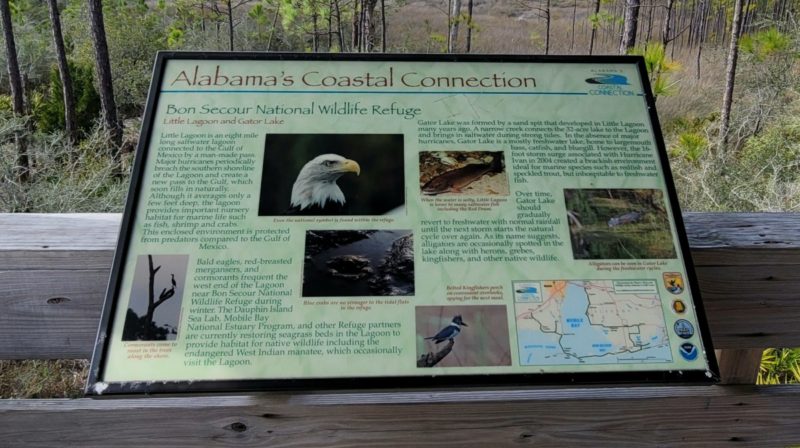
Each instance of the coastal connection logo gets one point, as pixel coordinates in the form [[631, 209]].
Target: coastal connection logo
[[609, 78], [610, 84]]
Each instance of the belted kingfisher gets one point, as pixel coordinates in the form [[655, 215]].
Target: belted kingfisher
[[450, 331]]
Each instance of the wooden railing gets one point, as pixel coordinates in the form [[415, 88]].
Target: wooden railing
[[53, 275]]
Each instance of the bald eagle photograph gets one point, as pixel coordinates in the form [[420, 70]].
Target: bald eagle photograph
[[332, 175]]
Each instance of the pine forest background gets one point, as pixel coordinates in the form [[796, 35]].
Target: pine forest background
[[724, 72]]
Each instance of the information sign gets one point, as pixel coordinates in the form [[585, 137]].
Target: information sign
[[355, 221]]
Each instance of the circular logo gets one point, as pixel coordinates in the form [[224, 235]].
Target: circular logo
[[678, 306], [688, 351], [684, 328]]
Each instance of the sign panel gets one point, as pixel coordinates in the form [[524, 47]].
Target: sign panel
[[345, 221]]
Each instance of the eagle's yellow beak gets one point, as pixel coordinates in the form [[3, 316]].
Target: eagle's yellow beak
[[351, 166]]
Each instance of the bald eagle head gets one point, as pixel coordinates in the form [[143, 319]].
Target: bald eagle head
[[316, 183]]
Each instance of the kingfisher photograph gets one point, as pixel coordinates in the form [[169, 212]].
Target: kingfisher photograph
[[462, 336], [332, 175], [466, 173]]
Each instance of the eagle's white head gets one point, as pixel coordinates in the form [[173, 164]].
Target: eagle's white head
[[316, 183]]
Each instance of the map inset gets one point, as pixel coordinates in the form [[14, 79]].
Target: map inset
[[590, 322]]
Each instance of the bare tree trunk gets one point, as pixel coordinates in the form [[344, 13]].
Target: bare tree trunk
[[230, 23], [22, 168], [274, 24], [630, 27], [574, 13], [649, 34], [356, 37], [63, 72], [594, 28], [692, 16], [730, 74], [151, 299], [103, 66], [704, 5], [667, 24], [339, 25], [315, 34], [363, 33], [203, 17], [747, 15], [455, 13], [469, 25], [383, 26], [547, 27], [330, 25], [678, 24], [369, 25]]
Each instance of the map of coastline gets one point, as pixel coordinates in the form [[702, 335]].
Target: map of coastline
[[590, 322]]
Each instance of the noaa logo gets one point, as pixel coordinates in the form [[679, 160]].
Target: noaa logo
[[688, 351], [609, 79]]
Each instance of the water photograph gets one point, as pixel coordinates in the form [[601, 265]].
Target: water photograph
[[358, 263]]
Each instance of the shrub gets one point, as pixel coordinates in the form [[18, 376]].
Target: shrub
[[49, 111]]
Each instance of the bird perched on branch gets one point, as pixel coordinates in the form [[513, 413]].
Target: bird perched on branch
[[449, 332], [315, 191]]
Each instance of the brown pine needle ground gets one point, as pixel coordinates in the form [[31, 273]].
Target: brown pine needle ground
[[63, 378]]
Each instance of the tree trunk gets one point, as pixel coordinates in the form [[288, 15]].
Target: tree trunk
[[369, 25], [704, 7], [230, 23], [22, 168], [315, 34], [203, 17], [63, 72], [151, 299], [572, 38], [330, 25], [103, 66], [355, 43], [547, 27], [455, 13], [594, 27], [667, 24], [469, 25], [730, 74], [274, 24], [383, 26], [630, 27], [677, 37], [339, 26]]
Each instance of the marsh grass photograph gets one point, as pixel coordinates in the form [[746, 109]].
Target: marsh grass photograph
[[618, 224], [332, 174]]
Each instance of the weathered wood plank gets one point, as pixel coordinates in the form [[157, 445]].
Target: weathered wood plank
[[739, 366], [748, 266], [639, 416], [57, 241]]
